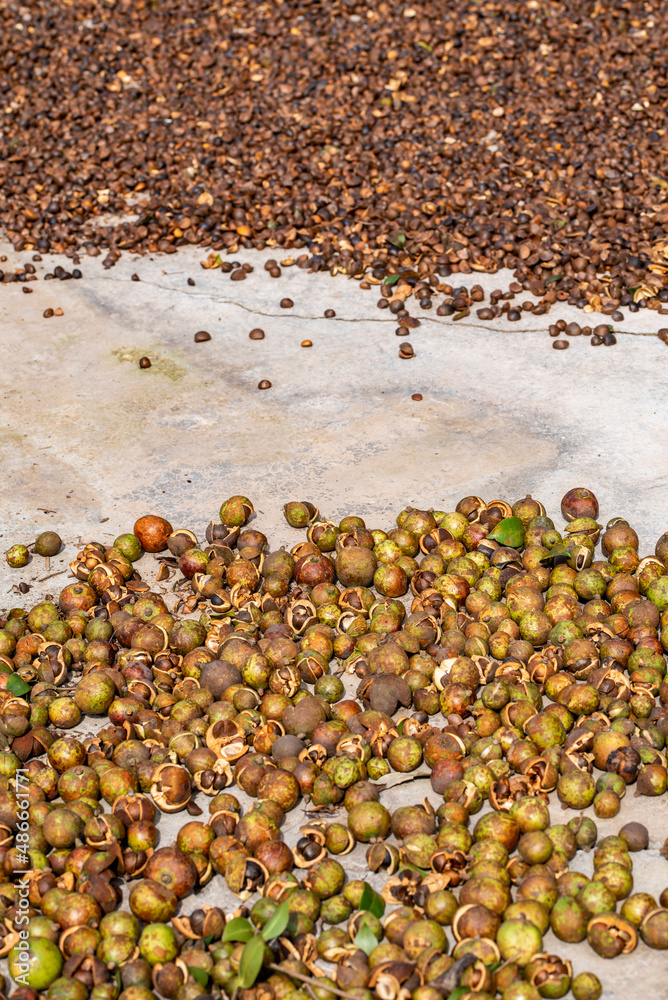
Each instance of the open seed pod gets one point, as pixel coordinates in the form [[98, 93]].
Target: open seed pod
[[171, 789]]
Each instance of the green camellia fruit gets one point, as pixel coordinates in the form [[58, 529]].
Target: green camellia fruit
[[36, 965]]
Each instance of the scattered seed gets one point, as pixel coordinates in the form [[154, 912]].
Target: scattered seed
[[560, 345], [329, 314], [58, 311], [201, 336], [596, 341], [238, 275], [663, 334], [609, 339], [286, 303], [256, 334], [191, 282], [264, 384], [406, 350], [26, 291], [417, 396], [573, 330], [307, 343], [47, 314], [144, 362], [134, 277]]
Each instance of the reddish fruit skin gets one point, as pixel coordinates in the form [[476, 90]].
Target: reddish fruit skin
[[153, 532], [579, 502], [172, 868]]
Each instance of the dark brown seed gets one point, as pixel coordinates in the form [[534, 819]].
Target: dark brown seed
[[134, 277], [264, 384], [256, 334], [191, 282], [144, 362], [275, 272], [307, 343], [609, 339], [663, 334], [513, 315], [406, 350], [329, 314], [201, 336], [600, 330], [27, 291], [286, 303], [401, 331], [485, 313], [238, 275], [417, 396], [47, 314], [596, 341], [573, 330], [560, 345]]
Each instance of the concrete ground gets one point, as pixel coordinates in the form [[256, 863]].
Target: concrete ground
[[90, 441]]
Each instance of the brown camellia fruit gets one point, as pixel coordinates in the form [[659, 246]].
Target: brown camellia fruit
[[579, 502], [153, 532]]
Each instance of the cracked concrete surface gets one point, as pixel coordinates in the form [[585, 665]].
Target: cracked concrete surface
[[90, 441]]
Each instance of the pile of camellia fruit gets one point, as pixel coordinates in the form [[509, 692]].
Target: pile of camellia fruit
[[482, 649]]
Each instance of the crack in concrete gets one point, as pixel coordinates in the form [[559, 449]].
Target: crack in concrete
[[342, 319]]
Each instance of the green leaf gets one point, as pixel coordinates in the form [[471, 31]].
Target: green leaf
[[458, 992], [424, 45], [398, 240], [509, 531], [371, 901], [392, 280], [365, 939], [277, 922], [17, 686], [251, 962], [199, 975], [366, 898], [238, 929], [553, 277], [208, 939]]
